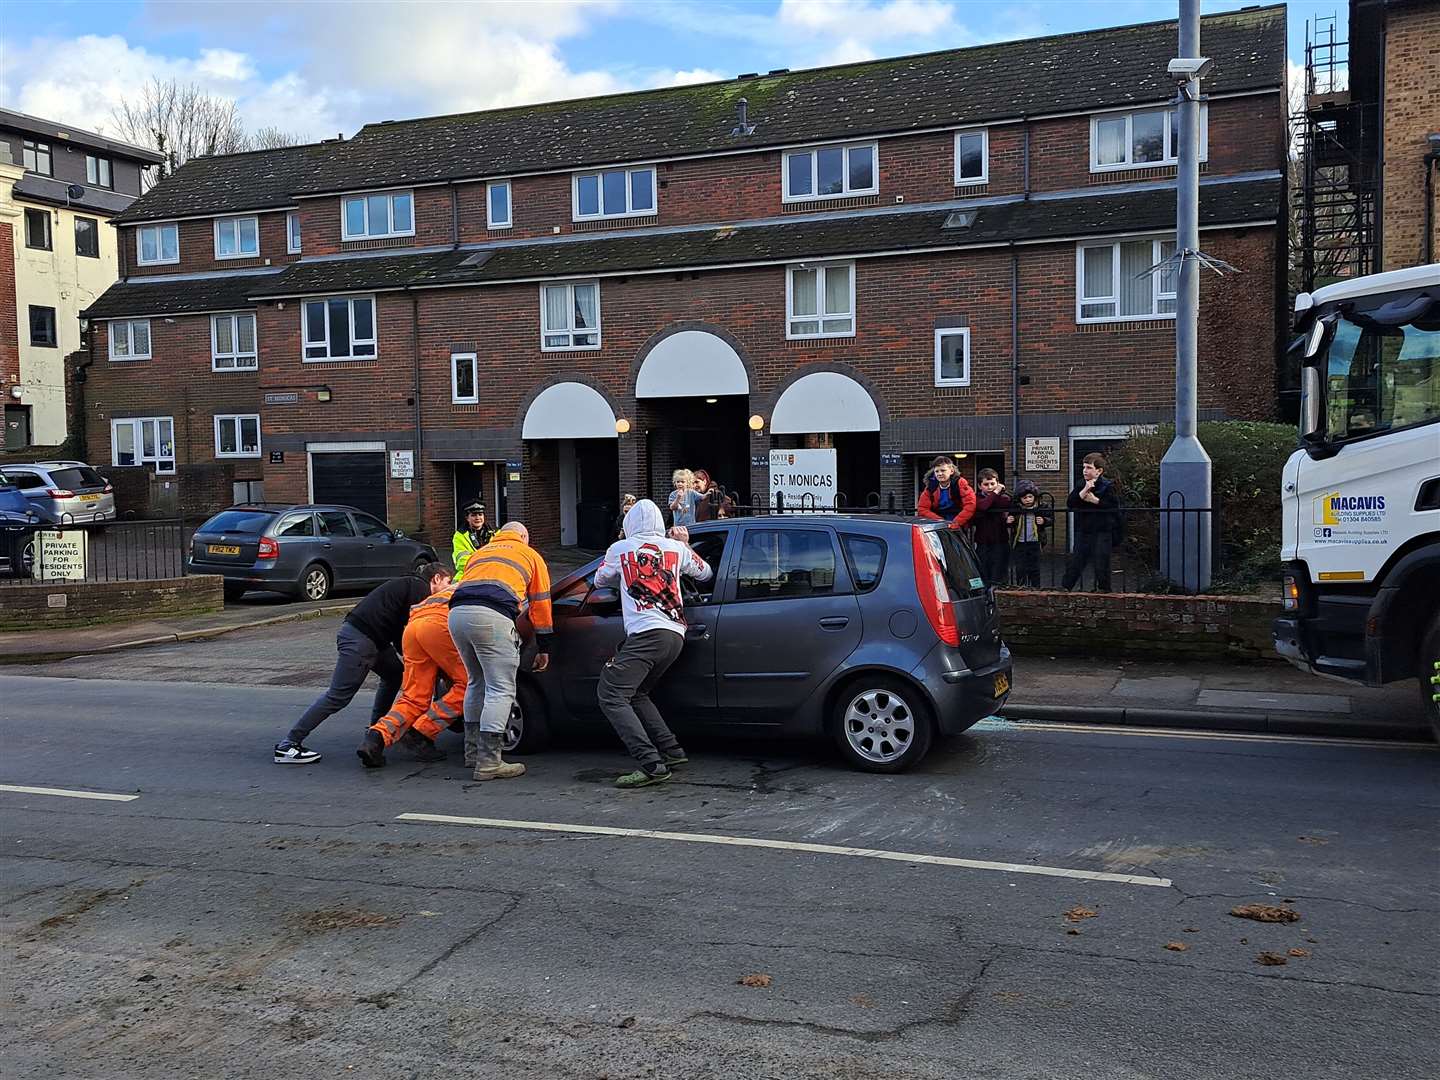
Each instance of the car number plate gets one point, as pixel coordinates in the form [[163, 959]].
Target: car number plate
[[1002, 684], [89, 498], [223, 549]]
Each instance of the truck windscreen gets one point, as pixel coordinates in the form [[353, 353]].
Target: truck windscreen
[[1380, 378]]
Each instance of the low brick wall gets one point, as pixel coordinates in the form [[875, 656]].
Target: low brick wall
[[55, 605], [1138, 625]]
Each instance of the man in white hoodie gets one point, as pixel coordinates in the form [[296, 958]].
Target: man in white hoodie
[[646, 567]]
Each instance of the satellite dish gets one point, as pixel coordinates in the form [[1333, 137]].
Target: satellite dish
[[75, 191]]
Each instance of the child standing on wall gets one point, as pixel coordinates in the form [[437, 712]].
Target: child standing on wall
[[1027, 537], [992, 538]]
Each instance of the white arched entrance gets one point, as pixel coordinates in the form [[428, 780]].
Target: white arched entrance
[[824, 401], [577, 417], [692, 363]]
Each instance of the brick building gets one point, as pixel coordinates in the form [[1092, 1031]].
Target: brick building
[[548, 305]]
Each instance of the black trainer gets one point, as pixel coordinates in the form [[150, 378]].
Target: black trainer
[[289, 753], [372, 750]]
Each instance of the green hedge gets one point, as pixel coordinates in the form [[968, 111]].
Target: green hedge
[[1248, 460]]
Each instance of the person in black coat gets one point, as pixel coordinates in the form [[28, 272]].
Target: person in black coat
[[1094, 518]]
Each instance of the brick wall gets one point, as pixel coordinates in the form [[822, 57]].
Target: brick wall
[[197, 248], [55, 605], [1128, 624], [1412, 111]]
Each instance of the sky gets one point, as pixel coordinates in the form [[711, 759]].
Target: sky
[[318, 68]]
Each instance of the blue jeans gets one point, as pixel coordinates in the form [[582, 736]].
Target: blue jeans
[[489, 647], [356, 657]]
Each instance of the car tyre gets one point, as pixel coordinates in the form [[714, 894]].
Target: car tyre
[[529, 729], [1428, 668], [881, 724], [233, 592], [315, 582]]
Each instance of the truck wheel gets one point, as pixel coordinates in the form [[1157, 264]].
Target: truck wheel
[[1429, 672]]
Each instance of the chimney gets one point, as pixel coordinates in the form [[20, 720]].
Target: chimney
[[742, 124]]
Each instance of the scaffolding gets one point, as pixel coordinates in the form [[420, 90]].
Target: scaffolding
[[1336, 156]]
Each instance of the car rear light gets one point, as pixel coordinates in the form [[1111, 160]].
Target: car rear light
[[59, 493], [1291, 593], [269, 548], [930, 585]]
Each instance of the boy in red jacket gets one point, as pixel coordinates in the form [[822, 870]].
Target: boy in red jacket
[[946, 496]]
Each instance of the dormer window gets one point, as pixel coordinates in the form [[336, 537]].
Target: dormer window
[[375, 217], [831, 172]]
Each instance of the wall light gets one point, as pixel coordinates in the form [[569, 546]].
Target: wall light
[[622, 426], [477, 463], [322, 394], [757, 423], [711, 400]]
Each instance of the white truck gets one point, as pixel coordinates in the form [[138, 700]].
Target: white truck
[[1361, 497]]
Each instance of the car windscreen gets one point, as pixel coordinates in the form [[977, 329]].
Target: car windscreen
[[244, 522], [962, 572], [76, 476]]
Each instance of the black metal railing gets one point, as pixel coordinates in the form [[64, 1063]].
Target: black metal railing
[[127, 549]]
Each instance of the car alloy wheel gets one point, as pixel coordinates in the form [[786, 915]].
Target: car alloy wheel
[[515, 728], [316, 583], [27, 558], [879, 725]]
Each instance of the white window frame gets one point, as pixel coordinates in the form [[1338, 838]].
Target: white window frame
[[306, 343], [820, 315], [293, 239], [129, 333], [157, 459], [963, 332], [455, 396], [103, 171], [847, 192], [346, 236], [509, 221], [236, 419], [234, 222], [236, 357], [157, 227], [569, 329], [1156, 294], [575, 179], [1170, 154], [984, 177]]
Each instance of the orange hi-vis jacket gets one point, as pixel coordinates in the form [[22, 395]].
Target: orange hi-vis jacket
[[429, 652], [509, 576]]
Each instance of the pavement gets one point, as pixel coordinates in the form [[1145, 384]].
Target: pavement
[[1033, 902]]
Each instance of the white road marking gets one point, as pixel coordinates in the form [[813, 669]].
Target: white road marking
[[1001, 724], [103, 796], [789, 845]]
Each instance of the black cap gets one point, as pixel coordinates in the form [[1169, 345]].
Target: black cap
[[474, 506]]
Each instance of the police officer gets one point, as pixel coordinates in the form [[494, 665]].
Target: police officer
[[475, 535]]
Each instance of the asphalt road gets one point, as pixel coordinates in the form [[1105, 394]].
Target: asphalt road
[[240, 919]]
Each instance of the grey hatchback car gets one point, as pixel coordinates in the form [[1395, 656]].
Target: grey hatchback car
[[876, 631], [307, 551]]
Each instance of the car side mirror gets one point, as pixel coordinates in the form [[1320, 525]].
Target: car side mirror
[[397, 535]]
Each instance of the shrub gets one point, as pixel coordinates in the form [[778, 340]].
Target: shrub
[[1248, 460]]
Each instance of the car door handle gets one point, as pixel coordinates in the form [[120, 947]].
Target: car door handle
[[697, 631], [835, 622]]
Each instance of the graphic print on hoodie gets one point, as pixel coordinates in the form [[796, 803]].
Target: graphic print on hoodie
[[648, 566]]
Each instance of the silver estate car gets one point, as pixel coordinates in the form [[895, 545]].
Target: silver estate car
[[71, 492]]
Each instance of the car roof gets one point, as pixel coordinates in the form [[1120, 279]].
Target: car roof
[[282, 507]]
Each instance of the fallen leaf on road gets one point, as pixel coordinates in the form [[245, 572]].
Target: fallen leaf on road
[[862, 1001], [1265, 913], [628, 1022], [1299, 952], [1176, 946], [755, 980], [1312, 840], [428, 914], [1078, 912], [1271, 959], [1072, 930]]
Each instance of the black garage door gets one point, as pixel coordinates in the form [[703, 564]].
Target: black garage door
[[352, 479]]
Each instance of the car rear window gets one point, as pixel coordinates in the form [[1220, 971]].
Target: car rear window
[[962, 572], [244, 522], [866, 555], [77, 476]]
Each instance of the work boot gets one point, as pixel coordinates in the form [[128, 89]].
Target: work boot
[[489, 765], [472, 744], [420, 747], [372, 750]]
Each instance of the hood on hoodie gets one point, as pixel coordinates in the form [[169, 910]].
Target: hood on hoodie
[[644, 519]]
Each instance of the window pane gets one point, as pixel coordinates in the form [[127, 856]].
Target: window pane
[[642, 190], [782, 564], [224, 335], [87, 238], [403, 213], [797, 173], [147, 439], [370, 526], [862, 167], [837, 290], [377, 210], [334, 523], [303, 525], [1148, 136], [140, 338], [1098, 311], [557, 303], [804, 328], [1099, 271], [170, 242], [149, 252], [119, 339], [225, 238], [245, 324], [587, 299], [972, 156], [1135, 285], [803, 300], [556, 341], [364, 319], [250, 434], [499, 203], [354, 217], [315, 321], [614, 192], [1173, 115], [125, 444], [1110, 141], [292, 227], [952, 356], [227, 436], [249, 238], [464, 376], [339, 328], [867, 557], [835, 326], [830, 168], [587, 195]]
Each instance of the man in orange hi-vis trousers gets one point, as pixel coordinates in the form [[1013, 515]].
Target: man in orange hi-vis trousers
[[415, 719]]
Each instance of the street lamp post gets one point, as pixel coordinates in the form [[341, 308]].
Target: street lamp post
[[1185, 471]]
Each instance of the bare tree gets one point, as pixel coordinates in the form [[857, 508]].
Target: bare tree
[[181, 122], [270, 138]]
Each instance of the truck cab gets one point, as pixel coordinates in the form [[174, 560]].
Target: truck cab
[[1361, 497]]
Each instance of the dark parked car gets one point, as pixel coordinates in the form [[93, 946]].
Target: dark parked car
[[19, 518], [307, 551], [878, 632]]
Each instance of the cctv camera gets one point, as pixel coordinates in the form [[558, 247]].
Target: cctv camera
[[1185, 68]]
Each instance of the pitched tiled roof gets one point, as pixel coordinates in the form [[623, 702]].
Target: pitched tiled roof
[[1232, 202], [177, 296], [228, 183], [1096, 69]]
